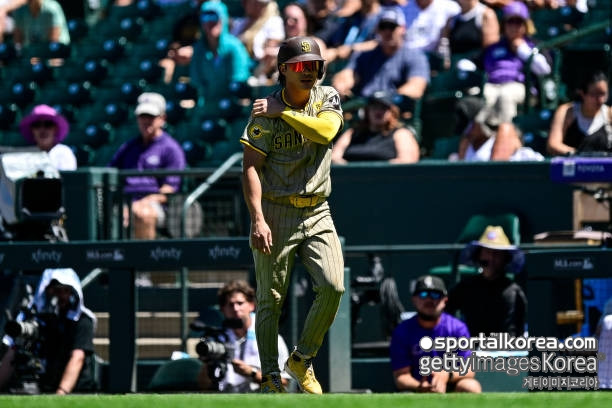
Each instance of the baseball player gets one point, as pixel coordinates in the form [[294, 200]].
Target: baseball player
[[286, 182]]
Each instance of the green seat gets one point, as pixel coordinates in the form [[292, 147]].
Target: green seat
[[177, 375], [455, 83], [534, 128], [472, 231]]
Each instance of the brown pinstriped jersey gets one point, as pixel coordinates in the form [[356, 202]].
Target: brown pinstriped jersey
[[294, 164]]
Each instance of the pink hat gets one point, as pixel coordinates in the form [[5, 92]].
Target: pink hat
[[44, 112]]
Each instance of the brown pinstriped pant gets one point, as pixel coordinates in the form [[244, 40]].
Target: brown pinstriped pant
[[309, 232]]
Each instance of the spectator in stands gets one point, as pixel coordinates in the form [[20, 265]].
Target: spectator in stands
[[379, 136], [390, 67], [425, 20], [504, 63], [355, 32], [297, 24], [40, 21], [236, 301], [46, 128], [322, 17], [219, 58], [185, 32], [153, 149], [485, 139], [467, 34], [584, 125], [7, 23], [261, 25], [429, 297], [489, 301], [66, 351]]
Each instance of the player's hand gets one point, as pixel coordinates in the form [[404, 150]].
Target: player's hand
[[261, 237], [269, 107]]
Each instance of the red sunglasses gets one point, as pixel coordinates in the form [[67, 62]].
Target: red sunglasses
[[302, 66]]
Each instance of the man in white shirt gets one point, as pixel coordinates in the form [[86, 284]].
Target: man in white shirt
[[425, 20]]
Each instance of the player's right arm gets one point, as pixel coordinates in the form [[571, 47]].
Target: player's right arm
[[261, 235]]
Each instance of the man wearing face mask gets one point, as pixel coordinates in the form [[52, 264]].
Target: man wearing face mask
[[66, 337], [489, 301]]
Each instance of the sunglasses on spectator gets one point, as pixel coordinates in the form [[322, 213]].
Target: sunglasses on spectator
[[387, 26], [432, 294], [302, 66], [43, 123], [209, 17]]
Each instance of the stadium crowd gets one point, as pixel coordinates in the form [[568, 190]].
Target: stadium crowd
[[210, 59]]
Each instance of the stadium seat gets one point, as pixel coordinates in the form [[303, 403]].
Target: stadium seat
[[7, 53], [205, 130], [136, 69], [48, 50], [40, 73], [8, 115], [455, 83], [240, 90], [110, 49], [83, 153], [124, 91], [550, 23], [21, 93], [104, 112], [128, 28], [152, 48], [196, 152], [94, 135], [78, 29], [67, 111], [12, 139], [146, 9], [91, 70], [71, 93], [175, 113], [534, 128], [472, 231]]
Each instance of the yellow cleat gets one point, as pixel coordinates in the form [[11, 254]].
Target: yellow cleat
[[271, 384], [301, 370]]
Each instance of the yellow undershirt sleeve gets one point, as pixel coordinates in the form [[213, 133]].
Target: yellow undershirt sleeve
[[321, 129]]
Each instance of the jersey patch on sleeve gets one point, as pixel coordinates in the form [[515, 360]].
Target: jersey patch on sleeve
[[256, 131]]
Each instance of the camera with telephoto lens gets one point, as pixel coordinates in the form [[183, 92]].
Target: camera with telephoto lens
[[28, 332], [214, 347]]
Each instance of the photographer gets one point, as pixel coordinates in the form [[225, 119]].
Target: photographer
[[237, 303], [54, 336]]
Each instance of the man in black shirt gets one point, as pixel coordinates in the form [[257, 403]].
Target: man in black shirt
[[489, 301], [65, 341]]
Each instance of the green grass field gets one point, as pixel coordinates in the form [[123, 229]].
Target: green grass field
[[487, 400]]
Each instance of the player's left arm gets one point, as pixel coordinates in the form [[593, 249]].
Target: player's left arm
[[320, 129]]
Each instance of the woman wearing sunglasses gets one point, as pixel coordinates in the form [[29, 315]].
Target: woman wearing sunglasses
[[429, 297], [46, 128]]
